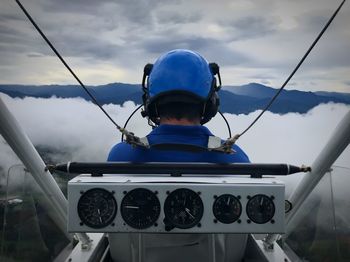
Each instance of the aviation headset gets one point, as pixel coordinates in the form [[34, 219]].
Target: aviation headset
[[210, 103]]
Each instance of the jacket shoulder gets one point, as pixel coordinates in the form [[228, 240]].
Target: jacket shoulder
[[120, 152]]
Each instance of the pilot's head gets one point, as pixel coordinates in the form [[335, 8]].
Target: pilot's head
[[181, 85]]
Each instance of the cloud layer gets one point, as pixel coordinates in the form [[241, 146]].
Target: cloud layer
[[75, 130]]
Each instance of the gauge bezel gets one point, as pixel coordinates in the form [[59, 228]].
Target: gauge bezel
[[218, 217], [111, 201], [169, 216], [252, 218], [146, 224]]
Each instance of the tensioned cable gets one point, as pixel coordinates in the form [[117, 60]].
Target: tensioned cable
[[227, 124], [295, 69], [231, 140], [127, 121], [65, 64]]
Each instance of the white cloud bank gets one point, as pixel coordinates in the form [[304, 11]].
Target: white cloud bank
[[78, 128]]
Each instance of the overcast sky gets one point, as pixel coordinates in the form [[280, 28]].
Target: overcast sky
[[110, 41]]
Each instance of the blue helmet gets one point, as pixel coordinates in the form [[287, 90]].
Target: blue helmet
[[181, 76]]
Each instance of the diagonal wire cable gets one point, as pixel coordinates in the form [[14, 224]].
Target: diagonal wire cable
[[65, 64]]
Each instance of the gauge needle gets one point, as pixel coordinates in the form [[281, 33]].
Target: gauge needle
[[228, 202], [99, 213], [188, 212], [261, 201], [132, 207]]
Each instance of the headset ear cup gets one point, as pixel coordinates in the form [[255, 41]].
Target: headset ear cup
[[152, 113], [212, 104], [145, 85], [145, 111], [211, 108]]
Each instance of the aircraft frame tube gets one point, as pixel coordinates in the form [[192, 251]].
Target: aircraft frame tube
[[338, 142], [15, 136]]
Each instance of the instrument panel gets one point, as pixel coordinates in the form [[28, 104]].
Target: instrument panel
[[187, 205]]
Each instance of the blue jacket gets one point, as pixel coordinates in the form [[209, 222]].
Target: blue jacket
[[175, 134]]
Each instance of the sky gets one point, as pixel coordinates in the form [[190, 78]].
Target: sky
[[76, 130], [110, 41]]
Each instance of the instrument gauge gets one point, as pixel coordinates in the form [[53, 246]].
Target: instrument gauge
[[183, 208], [227, 208], [97, 208], [140, 208], [260, 209]]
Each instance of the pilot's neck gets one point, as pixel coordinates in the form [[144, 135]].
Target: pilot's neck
[[181, 122]]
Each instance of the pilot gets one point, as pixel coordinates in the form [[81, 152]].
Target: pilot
[[180, 95]]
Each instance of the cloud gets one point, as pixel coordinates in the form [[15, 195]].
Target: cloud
[[212, 49], [35, 55], [178, 18], [250, 27], [76, 130], [266, 36]]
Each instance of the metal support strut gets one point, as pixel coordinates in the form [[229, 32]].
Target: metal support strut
[[15, 136], [339, 140]]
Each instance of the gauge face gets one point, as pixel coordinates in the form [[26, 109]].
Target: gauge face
[[97, 208], [140, 208], [227, 208], [260, 209], [183, 208]]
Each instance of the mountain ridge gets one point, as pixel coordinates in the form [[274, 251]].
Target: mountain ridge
[[242, 99]]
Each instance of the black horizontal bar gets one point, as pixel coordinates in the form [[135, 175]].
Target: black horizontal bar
[[178, 169]]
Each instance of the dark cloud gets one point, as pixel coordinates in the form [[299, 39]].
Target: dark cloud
[[9, 17], [311, 21], [178, 18], [250, 27], [261, 76], [211, 48], [75, 45], [76, 6], [16, 40]]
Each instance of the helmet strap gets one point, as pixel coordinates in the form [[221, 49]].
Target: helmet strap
[[203, 112]]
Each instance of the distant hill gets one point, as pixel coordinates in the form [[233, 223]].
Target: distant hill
[[234, 99]]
